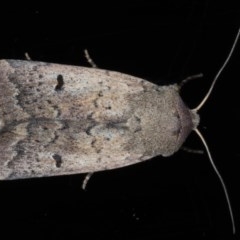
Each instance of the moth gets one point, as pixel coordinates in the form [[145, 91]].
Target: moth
[[58, 119]]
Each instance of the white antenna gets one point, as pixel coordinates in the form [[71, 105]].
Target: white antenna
[[220, 178], [218, 74], [203, 140]]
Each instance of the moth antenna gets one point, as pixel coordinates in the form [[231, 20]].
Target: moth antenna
[[220, 178], [218, 74]]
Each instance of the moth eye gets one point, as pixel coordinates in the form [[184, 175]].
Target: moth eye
[[60, 83]]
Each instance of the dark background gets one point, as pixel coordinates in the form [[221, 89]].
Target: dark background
[[164, 42]]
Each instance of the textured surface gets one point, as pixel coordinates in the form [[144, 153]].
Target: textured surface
[[58, 119]]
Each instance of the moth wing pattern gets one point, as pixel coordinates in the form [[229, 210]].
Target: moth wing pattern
[[59, 119]]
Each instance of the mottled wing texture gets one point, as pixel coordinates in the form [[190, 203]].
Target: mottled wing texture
[[58, 119]]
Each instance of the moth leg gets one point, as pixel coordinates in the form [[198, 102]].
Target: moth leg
[[86, 179], [190, 150], [27, 56], [89, 59], [184, 81]]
